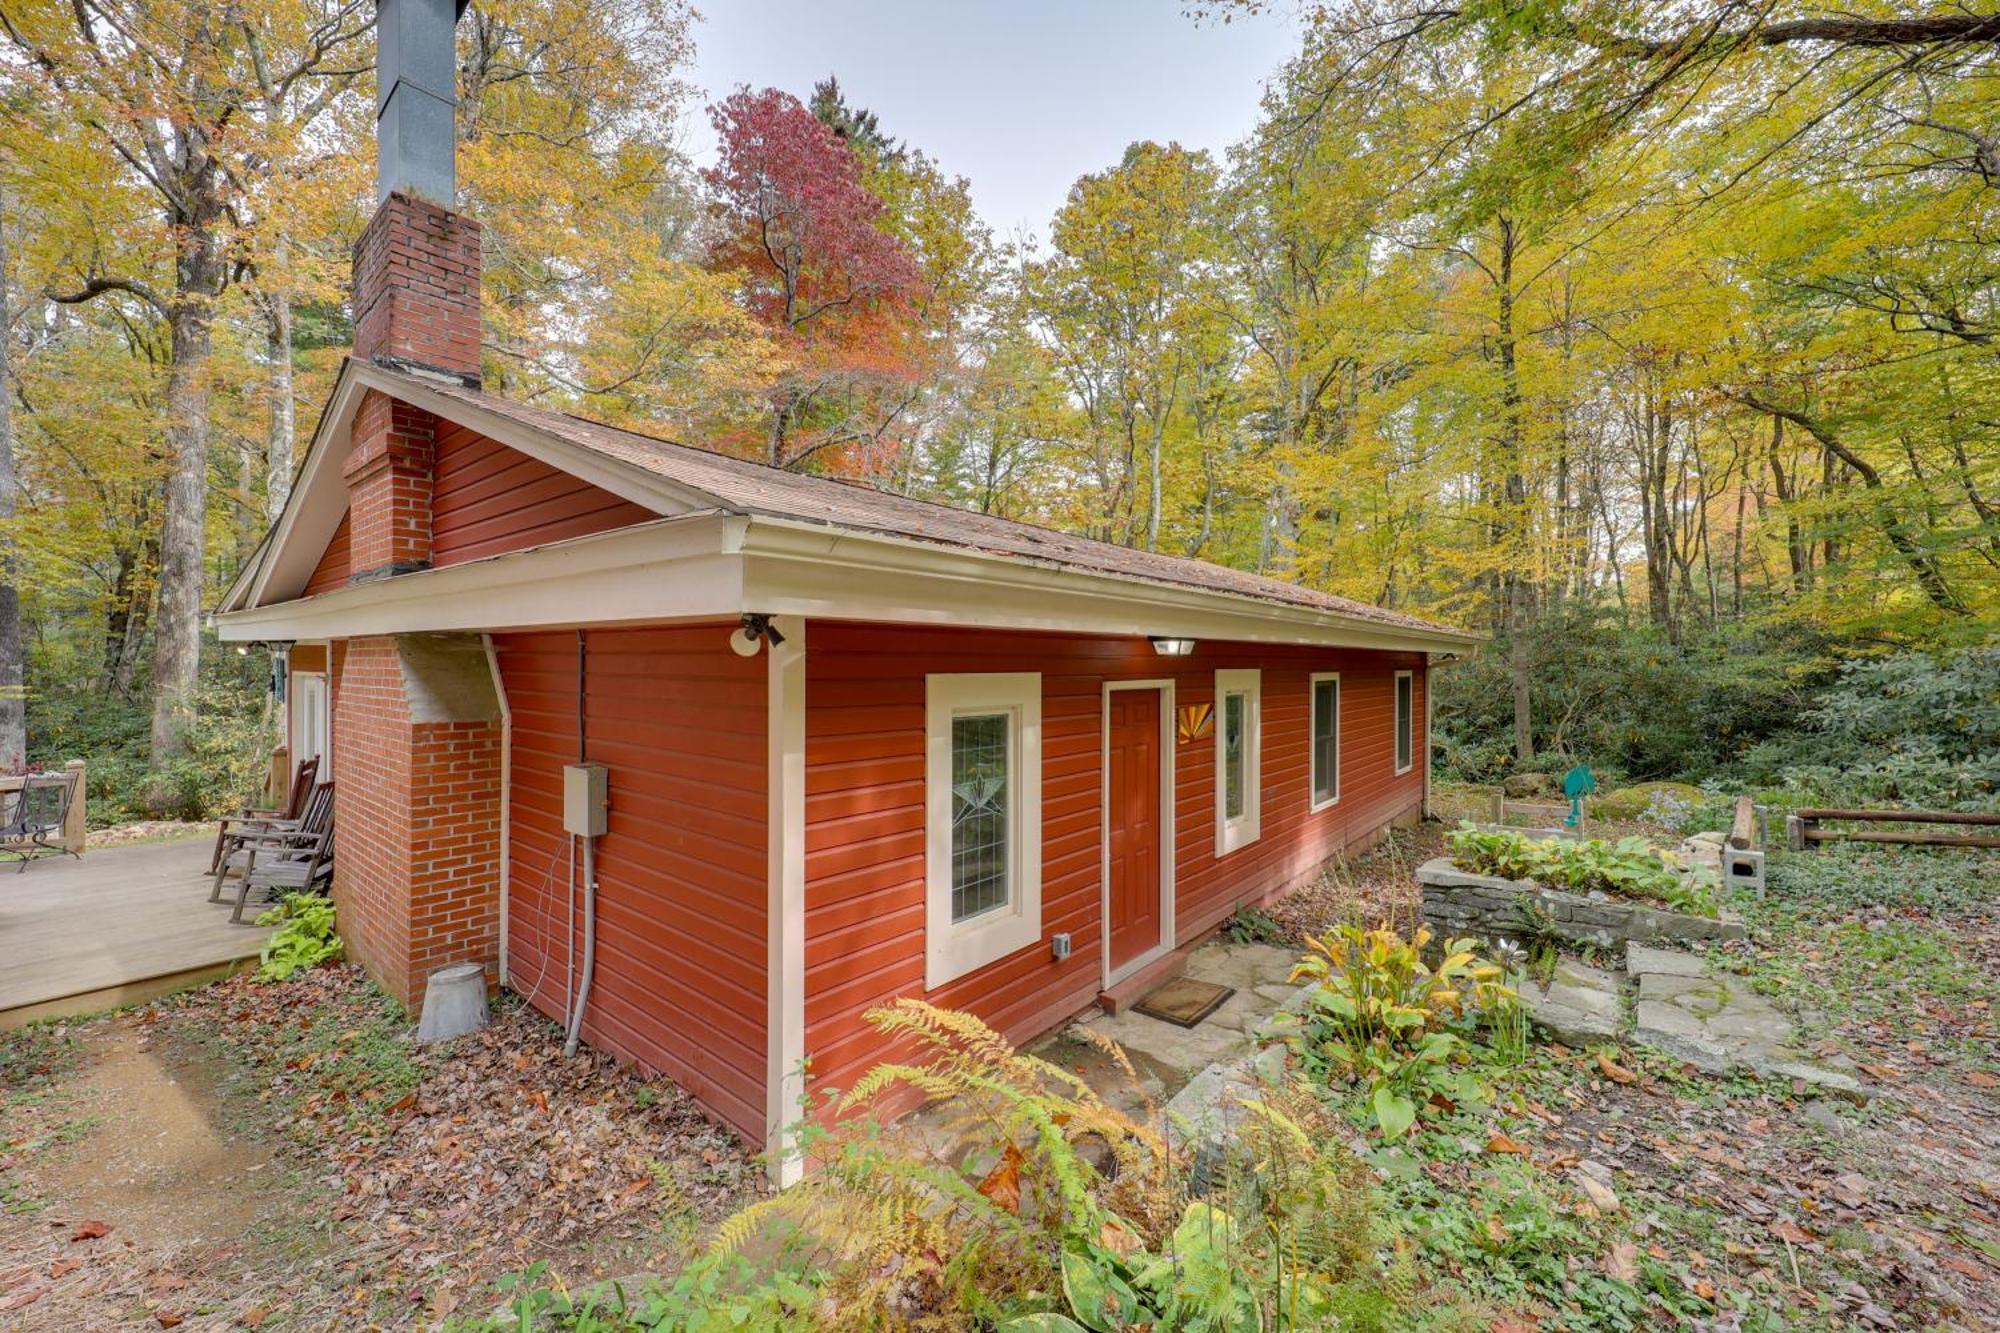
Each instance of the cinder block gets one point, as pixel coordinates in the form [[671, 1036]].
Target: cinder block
[[1744, 867]]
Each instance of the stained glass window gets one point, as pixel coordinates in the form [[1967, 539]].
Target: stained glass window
[[980, 761]]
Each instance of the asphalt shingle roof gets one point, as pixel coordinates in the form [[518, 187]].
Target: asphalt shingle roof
[[741, 486]]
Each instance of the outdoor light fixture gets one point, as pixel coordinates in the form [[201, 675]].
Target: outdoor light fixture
[[1173, 647], [756, 631]]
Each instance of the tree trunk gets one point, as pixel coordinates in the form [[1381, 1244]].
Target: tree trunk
[[177, 623], [13, 700], [1795, 542], [1518, 583], [1923, 564], [281, 440]]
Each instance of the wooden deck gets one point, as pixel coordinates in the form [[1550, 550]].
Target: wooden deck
[[122, 925]]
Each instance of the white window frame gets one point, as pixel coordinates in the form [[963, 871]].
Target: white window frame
[[953, 949], [1231, 834], [321, 727], [1313, 799], [1396, 720]]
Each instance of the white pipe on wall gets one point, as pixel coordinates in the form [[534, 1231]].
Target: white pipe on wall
[[589, 946]]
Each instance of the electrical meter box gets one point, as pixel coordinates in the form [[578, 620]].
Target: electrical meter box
[[586, 796]]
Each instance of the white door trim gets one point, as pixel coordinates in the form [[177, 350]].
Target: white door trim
[[322, 739], [1165, 686]]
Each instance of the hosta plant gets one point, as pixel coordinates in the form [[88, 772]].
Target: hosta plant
[[1628, 868], [1380, 1015], [304, 937]]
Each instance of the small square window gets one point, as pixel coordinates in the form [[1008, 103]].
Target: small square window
[[1325, 739]]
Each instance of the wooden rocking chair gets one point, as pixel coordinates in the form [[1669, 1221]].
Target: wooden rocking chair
[[229, 835], [282, 860]]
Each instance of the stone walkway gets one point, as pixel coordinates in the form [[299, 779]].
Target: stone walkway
[[1176, 1054], [1682, 1007], [1667, 1000]]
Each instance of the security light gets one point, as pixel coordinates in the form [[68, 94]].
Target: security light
[[1173, 647]]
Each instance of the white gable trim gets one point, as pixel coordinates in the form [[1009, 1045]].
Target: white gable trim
[[278, 571], [670, 569]]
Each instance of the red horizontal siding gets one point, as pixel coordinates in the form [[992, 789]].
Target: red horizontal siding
[[682, 962], [865, 811], [335, 563], [487, 498]]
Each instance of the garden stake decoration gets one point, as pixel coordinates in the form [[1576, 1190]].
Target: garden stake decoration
[[1577, 784]]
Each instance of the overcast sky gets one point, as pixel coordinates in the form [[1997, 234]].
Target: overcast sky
[[1019, 96]]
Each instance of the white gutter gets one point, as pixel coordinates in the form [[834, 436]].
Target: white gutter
[[837, 573]]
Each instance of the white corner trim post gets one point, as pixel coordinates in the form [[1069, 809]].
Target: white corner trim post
[[506, 797], [785, 1033]]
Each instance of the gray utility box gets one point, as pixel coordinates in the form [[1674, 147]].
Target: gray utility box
[[586, 799]]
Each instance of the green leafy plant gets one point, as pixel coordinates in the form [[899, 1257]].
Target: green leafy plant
[[1380, 1015], [1253, 925], [1627, 868], [304, 937]]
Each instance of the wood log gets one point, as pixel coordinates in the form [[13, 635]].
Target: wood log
[[1743, 829], [1903, 816], [1914, 838]]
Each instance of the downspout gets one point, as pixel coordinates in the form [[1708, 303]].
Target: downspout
[[506, 799], [1430, 660], [575, 1036]]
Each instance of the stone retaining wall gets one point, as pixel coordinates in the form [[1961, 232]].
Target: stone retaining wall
[[1457, 903]]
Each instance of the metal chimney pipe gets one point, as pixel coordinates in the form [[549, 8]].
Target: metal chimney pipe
[[416, 98]]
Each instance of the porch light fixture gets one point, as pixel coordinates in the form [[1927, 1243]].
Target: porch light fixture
[[1173, 647], [756, 631]]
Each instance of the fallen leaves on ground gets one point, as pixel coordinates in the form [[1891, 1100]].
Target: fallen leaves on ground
[[411, 1176]]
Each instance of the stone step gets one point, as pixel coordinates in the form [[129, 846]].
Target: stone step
[[1683, 1008]]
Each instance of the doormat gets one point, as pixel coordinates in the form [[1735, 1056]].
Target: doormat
[[1184, 1001]]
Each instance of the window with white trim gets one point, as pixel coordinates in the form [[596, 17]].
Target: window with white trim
[[1325, 739], [1239, 742], [1406, 721], [983, 820]]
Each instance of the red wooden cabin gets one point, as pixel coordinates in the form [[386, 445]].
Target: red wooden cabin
[[856, 746]]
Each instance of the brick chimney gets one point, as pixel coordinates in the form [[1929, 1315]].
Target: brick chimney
[[416, 285], [416, 717]]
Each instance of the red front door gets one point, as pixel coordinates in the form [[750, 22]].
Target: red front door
[[1133, 891]]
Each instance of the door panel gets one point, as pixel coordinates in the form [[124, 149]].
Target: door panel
[[1135, 832]]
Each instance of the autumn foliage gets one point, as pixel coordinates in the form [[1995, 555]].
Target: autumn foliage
[[806, 241]]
